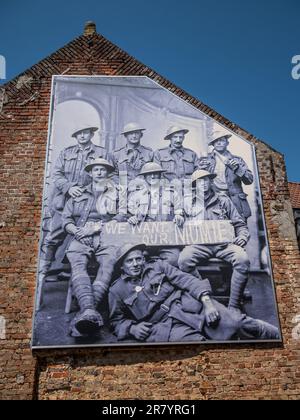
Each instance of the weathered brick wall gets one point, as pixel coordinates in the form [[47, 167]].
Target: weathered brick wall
[[200, 372]]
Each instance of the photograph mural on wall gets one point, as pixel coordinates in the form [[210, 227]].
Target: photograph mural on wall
[[152, 223]]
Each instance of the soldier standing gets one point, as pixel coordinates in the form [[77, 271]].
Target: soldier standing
[[231, 172], [128, 160], [177, 161]]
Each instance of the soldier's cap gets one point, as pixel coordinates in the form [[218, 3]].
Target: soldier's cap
[[99, 161], [151, 168], [218, 134], [125, 249], [82, 127], [132, 127], [200, 174], [174, 129]]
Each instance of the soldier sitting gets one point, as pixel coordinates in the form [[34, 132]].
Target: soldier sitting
[[207, 205], [153, 199], [155, 302], [83, 218]]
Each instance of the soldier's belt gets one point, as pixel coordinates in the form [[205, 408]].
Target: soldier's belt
[[164, 307]]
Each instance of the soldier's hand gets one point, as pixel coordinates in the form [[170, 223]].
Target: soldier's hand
[[141, 331], [86, 241], [179, 220], [240, 241], [84, 232], [75, 191], [204, 163], [133, 220], [212, 315], [233, 163]]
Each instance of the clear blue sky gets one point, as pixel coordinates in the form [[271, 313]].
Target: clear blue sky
[[233, 55]]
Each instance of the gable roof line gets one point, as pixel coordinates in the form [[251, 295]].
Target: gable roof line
[[294, 189], [50, 66]]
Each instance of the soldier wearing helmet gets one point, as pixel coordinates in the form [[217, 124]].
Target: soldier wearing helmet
[[128, 160], [83, 218], [177, 161], [231, 172], [155, 302], [69, 179], [155, 200], [208, 205]]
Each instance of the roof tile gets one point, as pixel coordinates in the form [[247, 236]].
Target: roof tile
[[294, 188]]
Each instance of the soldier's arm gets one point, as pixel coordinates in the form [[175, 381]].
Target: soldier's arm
[[244, 172], [196, 161], [186, 281], [115, 174], [205, 162], [68, 222], [178, 203], [156, 157], [151, 156], [120, 324], [240, 226], [59, 178]]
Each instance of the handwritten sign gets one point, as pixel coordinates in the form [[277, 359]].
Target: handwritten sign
[[205, 232]]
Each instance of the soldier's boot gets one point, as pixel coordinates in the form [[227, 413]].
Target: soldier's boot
[[47, 257], [238, 284], [258, 329], [88, 321], [44, 267]]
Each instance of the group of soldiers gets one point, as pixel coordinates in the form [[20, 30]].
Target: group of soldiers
[[158, 294]]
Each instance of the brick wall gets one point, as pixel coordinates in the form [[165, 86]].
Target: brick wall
[[200, 372]]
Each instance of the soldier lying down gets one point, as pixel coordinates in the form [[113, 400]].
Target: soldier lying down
[[156, 302]]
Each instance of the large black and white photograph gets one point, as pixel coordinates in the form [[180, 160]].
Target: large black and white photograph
[[153, 228]]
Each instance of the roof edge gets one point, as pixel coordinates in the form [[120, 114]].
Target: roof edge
[[153, 75]]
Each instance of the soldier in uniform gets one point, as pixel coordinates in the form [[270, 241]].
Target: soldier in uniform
[[231, 172], [177, 161], [130, 158], [83, 218], [156, 302], [70, 179], [213, 206], [155, 200]]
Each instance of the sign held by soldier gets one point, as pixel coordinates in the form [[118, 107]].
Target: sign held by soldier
[[168, 233]]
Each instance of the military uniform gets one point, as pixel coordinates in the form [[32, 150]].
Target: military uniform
[[68, 172], [90, 209], [156, 205], [170, 300], [229, 181], [219, 207], [177, 163], [155, 297], [129, 160]]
